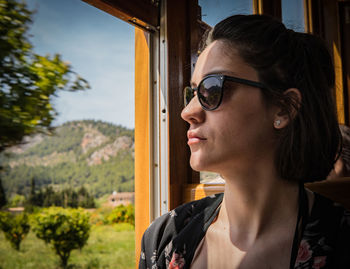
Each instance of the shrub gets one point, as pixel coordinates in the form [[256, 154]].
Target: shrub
[[99, 216], [17, 200], [64, 229], [122, 214], [15, 228]]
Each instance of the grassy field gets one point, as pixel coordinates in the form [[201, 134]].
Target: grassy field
[[108, 247]]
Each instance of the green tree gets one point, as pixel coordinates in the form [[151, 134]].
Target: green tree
[[3, 200], [34, 199], [28, 81], [48, 197], [15, 228], [17, 200], [85, 199], [122, 214], [31, 198], [64, 229]]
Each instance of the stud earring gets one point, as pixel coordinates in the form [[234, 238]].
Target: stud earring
[[277, 123]]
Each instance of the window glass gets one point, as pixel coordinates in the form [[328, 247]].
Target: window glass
[[293, 15], [215, 11], [88, 160]]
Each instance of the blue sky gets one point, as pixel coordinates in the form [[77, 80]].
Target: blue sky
[[99, 47], [215, 11]]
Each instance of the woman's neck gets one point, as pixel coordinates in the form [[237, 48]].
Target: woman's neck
[[256, 203]]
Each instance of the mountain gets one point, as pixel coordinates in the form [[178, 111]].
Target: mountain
[[94, 154]]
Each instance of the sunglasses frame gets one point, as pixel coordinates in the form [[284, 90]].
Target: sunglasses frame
[[222, 79]]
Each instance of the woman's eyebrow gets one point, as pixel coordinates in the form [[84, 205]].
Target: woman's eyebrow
[[222, 72]]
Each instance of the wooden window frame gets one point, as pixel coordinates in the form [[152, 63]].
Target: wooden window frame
[[161, 154], [268, 7], [322, 18]]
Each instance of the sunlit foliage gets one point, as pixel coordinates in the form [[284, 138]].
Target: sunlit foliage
[[63, 229], [15, 228], [122, 214]]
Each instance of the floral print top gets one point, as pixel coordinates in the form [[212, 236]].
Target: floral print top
[[172, 239]]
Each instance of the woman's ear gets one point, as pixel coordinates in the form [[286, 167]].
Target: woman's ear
[[291, 105]]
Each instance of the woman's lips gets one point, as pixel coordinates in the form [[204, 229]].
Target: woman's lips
[[193, 138]]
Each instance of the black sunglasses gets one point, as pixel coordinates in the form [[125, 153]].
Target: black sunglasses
[[210, 90]]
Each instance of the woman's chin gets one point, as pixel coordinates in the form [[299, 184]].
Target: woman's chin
[[198, 164]]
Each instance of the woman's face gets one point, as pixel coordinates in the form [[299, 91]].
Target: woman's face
[[240, 132]]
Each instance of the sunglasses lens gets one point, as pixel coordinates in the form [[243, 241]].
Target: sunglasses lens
[[209, 92], [188, 95]]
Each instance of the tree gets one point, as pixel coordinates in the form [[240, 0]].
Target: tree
[[34, 199], [50, 198], [17, 200], [3, 200], [64, 229], [85, 199], [15, 228], [28, 81], [122, 214]]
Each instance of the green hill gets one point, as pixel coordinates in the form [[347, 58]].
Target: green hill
[[94, 154]]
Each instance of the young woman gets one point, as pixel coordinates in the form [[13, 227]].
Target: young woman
[[261, 114]]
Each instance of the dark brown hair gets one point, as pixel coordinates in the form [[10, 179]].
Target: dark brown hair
[[309, 145]]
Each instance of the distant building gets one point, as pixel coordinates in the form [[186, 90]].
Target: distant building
[[121, 198], [15, 210]]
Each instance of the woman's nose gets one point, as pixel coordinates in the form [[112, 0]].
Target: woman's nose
[[193, 112]]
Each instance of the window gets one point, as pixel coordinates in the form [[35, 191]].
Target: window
[[293, 15]]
